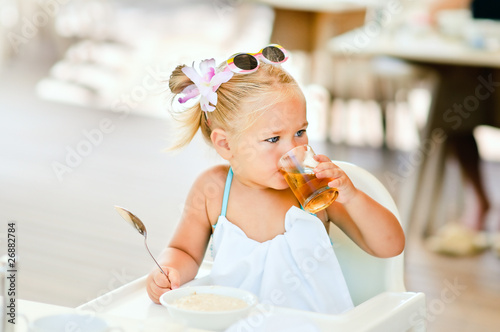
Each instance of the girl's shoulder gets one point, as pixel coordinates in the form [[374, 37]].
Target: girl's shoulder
[[213, 178], [210, 186]]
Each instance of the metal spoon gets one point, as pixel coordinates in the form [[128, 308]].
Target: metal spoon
[[137, 223]]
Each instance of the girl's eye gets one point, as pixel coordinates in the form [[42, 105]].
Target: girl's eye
[[300, 133], [273, 139]]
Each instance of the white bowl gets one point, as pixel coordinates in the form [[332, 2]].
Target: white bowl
[[210, 320]]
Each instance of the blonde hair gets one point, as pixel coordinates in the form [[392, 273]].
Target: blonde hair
[[241, 89]]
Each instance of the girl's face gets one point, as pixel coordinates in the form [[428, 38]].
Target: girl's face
[[255, 154]]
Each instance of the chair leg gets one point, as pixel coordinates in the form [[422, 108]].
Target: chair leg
[[381, 98], [435, 191]]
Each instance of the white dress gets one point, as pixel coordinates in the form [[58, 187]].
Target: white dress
[[297, 269]]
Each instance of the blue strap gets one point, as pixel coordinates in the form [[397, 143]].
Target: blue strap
[[302, 208], [227, 188]]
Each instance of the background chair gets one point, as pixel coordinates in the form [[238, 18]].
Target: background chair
[[375, 101]]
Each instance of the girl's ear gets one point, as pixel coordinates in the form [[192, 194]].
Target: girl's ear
[[220, 141]]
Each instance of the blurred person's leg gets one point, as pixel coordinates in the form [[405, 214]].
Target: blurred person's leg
[[464, 147], [464, 100]]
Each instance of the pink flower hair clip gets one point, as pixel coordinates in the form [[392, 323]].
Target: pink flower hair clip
[[205, 84]]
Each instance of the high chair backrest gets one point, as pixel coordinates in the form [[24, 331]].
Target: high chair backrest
[[366, 275]]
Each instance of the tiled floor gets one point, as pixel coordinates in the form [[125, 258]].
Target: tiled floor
[[74, 247]]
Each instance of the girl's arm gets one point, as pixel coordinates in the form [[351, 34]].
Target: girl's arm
[[184, 254], [370, 225]]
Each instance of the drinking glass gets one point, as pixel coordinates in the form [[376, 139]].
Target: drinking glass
[[297, 167]]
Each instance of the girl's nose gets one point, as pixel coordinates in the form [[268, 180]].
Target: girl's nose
[[289, 147]]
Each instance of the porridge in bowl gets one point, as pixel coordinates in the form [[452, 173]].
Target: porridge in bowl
[[209, 302], [208, 307]]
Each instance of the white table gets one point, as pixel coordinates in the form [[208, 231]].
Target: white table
[[458, 67], [32, 310], [308, 25], [427, 46], [321, 5], [127, 310]]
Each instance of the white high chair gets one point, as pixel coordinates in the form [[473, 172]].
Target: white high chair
[[376, 285], [377, 288], [381, 301]]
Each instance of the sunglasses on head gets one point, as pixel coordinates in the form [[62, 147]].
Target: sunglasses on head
[[246, 63]]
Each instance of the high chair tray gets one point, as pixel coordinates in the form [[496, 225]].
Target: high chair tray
[[388, 311]]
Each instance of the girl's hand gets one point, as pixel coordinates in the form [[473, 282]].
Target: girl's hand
[[157, 283], [339, 180]]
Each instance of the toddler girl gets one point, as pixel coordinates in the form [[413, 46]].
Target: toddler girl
[[252, 112]]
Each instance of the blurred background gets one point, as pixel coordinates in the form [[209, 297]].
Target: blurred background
[[84, 124]]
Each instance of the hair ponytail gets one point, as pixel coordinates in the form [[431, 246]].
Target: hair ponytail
[[190, 119]]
